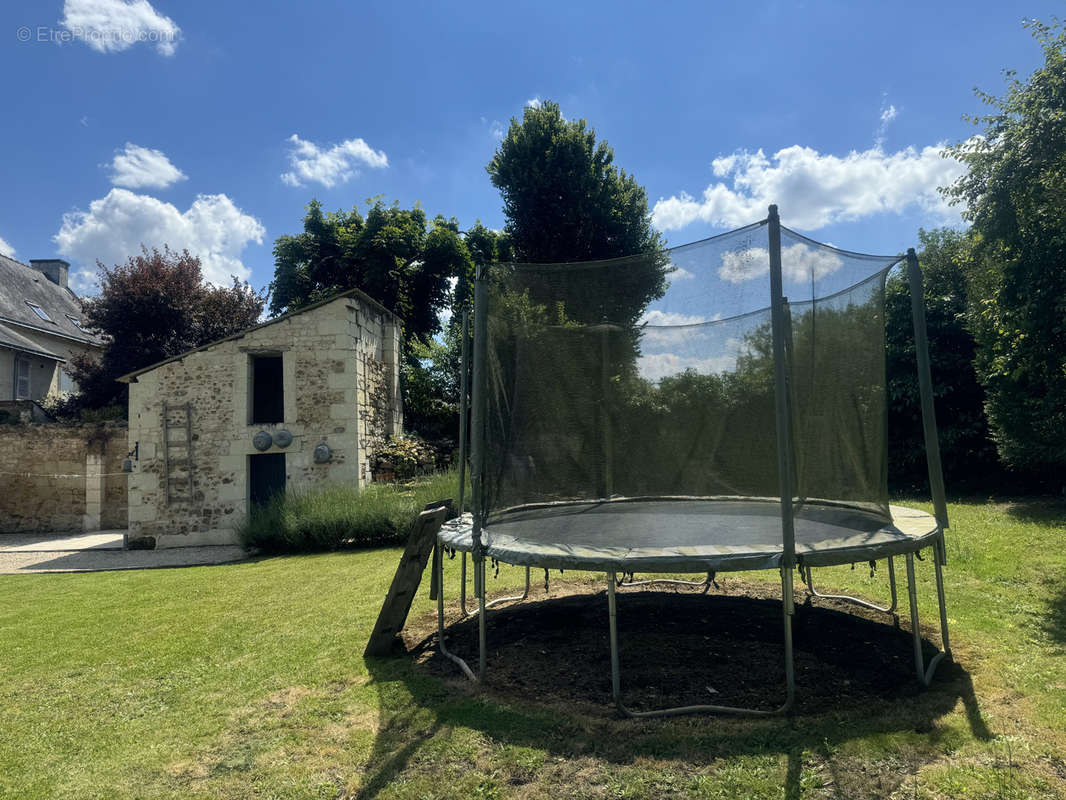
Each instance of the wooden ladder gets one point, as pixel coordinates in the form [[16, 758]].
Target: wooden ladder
[[408, 576], [177, 452]]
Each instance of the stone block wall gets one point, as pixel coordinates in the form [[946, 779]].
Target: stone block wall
[[62, 478], [326, 384]]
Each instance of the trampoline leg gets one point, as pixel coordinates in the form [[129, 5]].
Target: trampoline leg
[[616, 671], [939, 571], [462, 588], [808, 579], [479, 573], [790, 667], [925, 672], [440, 625]]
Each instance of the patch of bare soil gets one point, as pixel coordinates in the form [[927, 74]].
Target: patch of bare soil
[[680, 648]]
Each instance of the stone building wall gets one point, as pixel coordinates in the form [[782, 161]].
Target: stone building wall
[[62, 478], [325, 353]]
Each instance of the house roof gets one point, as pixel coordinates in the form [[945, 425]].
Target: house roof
[[9, 337], [132, 376], [21, 285]]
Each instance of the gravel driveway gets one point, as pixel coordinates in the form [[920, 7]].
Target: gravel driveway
[[93, 552]]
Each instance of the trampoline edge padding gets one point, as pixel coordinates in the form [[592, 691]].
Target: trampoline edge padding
[[691, 535]]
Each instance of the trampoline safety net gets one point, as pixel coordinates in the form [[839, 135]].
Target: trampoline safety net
[[653, 376]]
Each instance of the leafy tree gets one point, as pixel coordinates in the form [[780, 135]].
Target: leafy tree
[[155, 306], [565, 200], [966, 447], [393, 255], [1015, 193], [403, 261]]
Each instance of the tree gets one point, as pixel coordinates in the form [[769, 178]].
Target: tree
[[966, 447], [1014, 193], [565, 200], [392, 255], [403, 261], [155, 306]]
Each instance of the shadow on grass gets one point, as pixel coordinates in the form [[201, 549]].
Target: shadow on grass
[[548, 684], [1049, 511]]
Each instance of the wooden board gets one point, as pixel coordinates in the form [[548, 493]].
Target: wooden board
[[405, 582]]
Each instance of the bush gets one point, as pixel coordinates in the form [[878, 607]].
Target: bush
[[336, 516], [405, 457]]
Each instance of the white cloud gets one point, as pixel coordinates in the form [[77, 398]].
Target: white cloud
[[497, 129], [798, 263], [534, 102], [677, 273], [137, 167], [330, 165], [656, 317], [111, 26], [888, 113], [656, 366], [6, 249], [814, 189], [116, 225]]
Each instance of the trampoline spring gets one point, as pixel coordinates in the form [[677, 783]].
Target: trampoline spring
[[873, 567], [450, 552], [496, 565], [545, 579]]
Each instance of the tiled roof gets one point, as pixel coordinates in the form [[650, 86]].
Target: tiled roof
[[20, 283]]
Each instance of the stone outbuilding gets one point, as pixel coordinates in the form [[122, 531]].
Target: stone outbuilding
[[296, 402]]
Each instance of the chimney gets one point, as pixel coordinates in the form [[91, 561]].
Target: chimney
[[55, 269]]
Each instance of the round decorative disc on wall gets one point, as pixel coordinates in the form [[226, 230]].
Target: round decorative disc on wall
[[262, 441], [282, 438], [323, 454]]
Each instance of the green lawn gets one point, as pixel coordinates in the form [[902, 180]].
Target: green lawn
[[248, 680]]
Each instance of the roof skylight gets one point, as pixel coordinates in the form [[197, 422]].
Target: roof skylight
[[40, 312]]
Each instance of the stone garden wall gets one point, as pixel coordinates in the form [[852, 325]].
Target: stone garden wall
[[62, 478]]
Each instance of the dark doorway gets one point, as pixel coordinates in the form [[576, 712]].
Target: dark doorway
[[266, 477], [268, 395]]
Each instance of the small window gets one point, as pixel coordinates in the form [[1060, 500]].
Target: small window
[[67, 385], [267, 395], [40, 312], [22, 378], [77, 323]]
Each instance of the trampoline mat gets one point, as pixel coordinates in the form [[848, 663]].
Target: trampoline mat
[[689, 535]]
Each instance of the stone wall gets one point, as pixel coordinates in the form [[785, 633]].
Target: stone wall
[[327, 382], [62, 478]]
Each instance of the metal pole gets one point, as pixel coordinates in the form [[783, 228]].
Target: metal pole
[[925, 387], [464, 407], [939, 571], [612, 612], [785, 456], [477, 447], [605, 417], [477, 413], [912, 595]]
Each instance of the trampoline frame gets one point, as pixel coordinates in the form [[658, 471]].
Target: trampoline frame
[[789, 561]]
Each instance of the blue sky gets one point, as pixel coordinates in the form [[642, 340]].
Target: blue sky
[[174, 122]]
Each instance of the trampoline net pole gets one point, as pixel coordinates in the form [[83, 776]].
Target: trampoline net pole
[[925, 387], [778, 317], [478, 398], [464, 406]]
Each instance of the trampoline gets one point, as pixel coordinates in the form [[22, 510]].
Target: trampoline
[[677, 412]]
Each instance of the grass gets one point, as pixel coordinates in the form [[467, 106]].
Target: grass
[[337, 516], [247, 680]]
